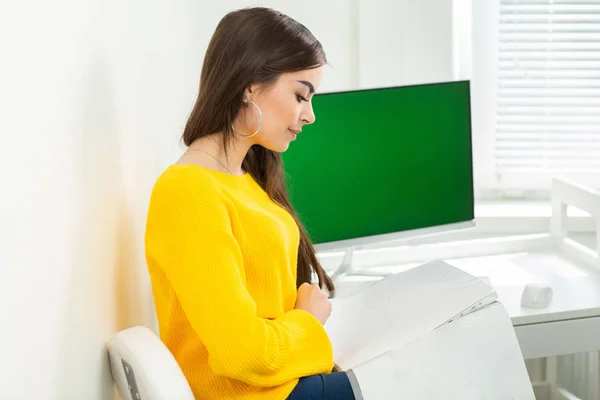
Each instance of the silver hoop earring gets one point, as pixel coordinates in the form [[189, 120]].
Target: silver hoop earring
[[260, 121]]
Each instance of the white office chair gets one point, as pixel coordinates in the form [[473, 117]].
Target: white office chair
[[143, 368]]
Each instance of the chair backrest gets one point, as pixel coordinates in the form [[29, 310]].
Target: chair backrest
[[143, 368]]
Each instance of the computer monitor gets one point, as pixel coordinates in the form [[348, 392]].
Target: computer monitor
[[383, 164]]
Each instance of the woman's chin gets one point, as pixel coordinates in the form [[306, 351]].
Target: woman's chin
[[279, 147]]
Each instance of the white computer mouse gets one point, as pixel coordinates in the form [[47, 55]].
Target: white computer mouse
[[536, 295]]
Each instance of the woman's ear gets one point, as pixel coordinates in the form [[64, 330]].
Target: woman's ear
[[251, 89]]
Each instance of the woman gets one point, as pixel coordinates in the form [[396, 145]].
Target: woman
[[229, 261]]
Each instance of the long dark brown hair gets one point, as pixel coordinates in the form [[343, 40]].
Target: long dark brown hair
[[255, 46]]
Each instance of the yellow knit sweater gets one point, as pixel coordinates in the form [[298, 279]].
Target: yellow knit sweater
[[222, 261]]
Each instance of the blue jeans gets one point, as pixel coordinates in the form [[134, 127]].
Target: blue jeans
[[333, 386]]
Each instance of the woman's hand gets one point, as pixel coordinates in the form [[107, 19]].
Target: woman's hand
[[313, 300]]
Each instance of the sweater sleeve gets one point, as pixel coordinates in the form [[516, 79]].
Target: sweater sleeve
[[189, 232]]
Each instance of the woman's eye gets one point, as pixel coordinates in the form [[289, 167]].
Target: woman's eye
[[300, 98]]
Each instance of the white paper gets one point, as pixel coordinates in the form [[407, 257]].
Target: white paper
[[401, 308], [475, 357]]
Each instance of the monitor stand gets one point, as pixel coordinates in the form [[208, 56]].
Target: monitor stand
[[346, 269]]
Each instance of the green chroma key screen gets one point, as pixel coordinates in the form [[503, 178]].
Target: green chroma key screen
[[384, 160]]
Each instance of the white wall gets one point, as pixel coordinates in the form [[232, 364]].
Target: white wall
[[94, 94], [93, 98], [404, 42]]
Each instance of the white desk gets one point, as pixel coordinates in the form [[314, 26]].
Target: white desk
[[571, 324]]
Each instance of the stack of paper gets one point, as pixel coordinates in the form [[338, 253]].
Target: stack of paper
[[435, 332]]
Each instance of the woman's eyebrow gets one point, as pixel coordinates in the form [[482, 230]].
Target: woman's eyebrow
[[310, 86]]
